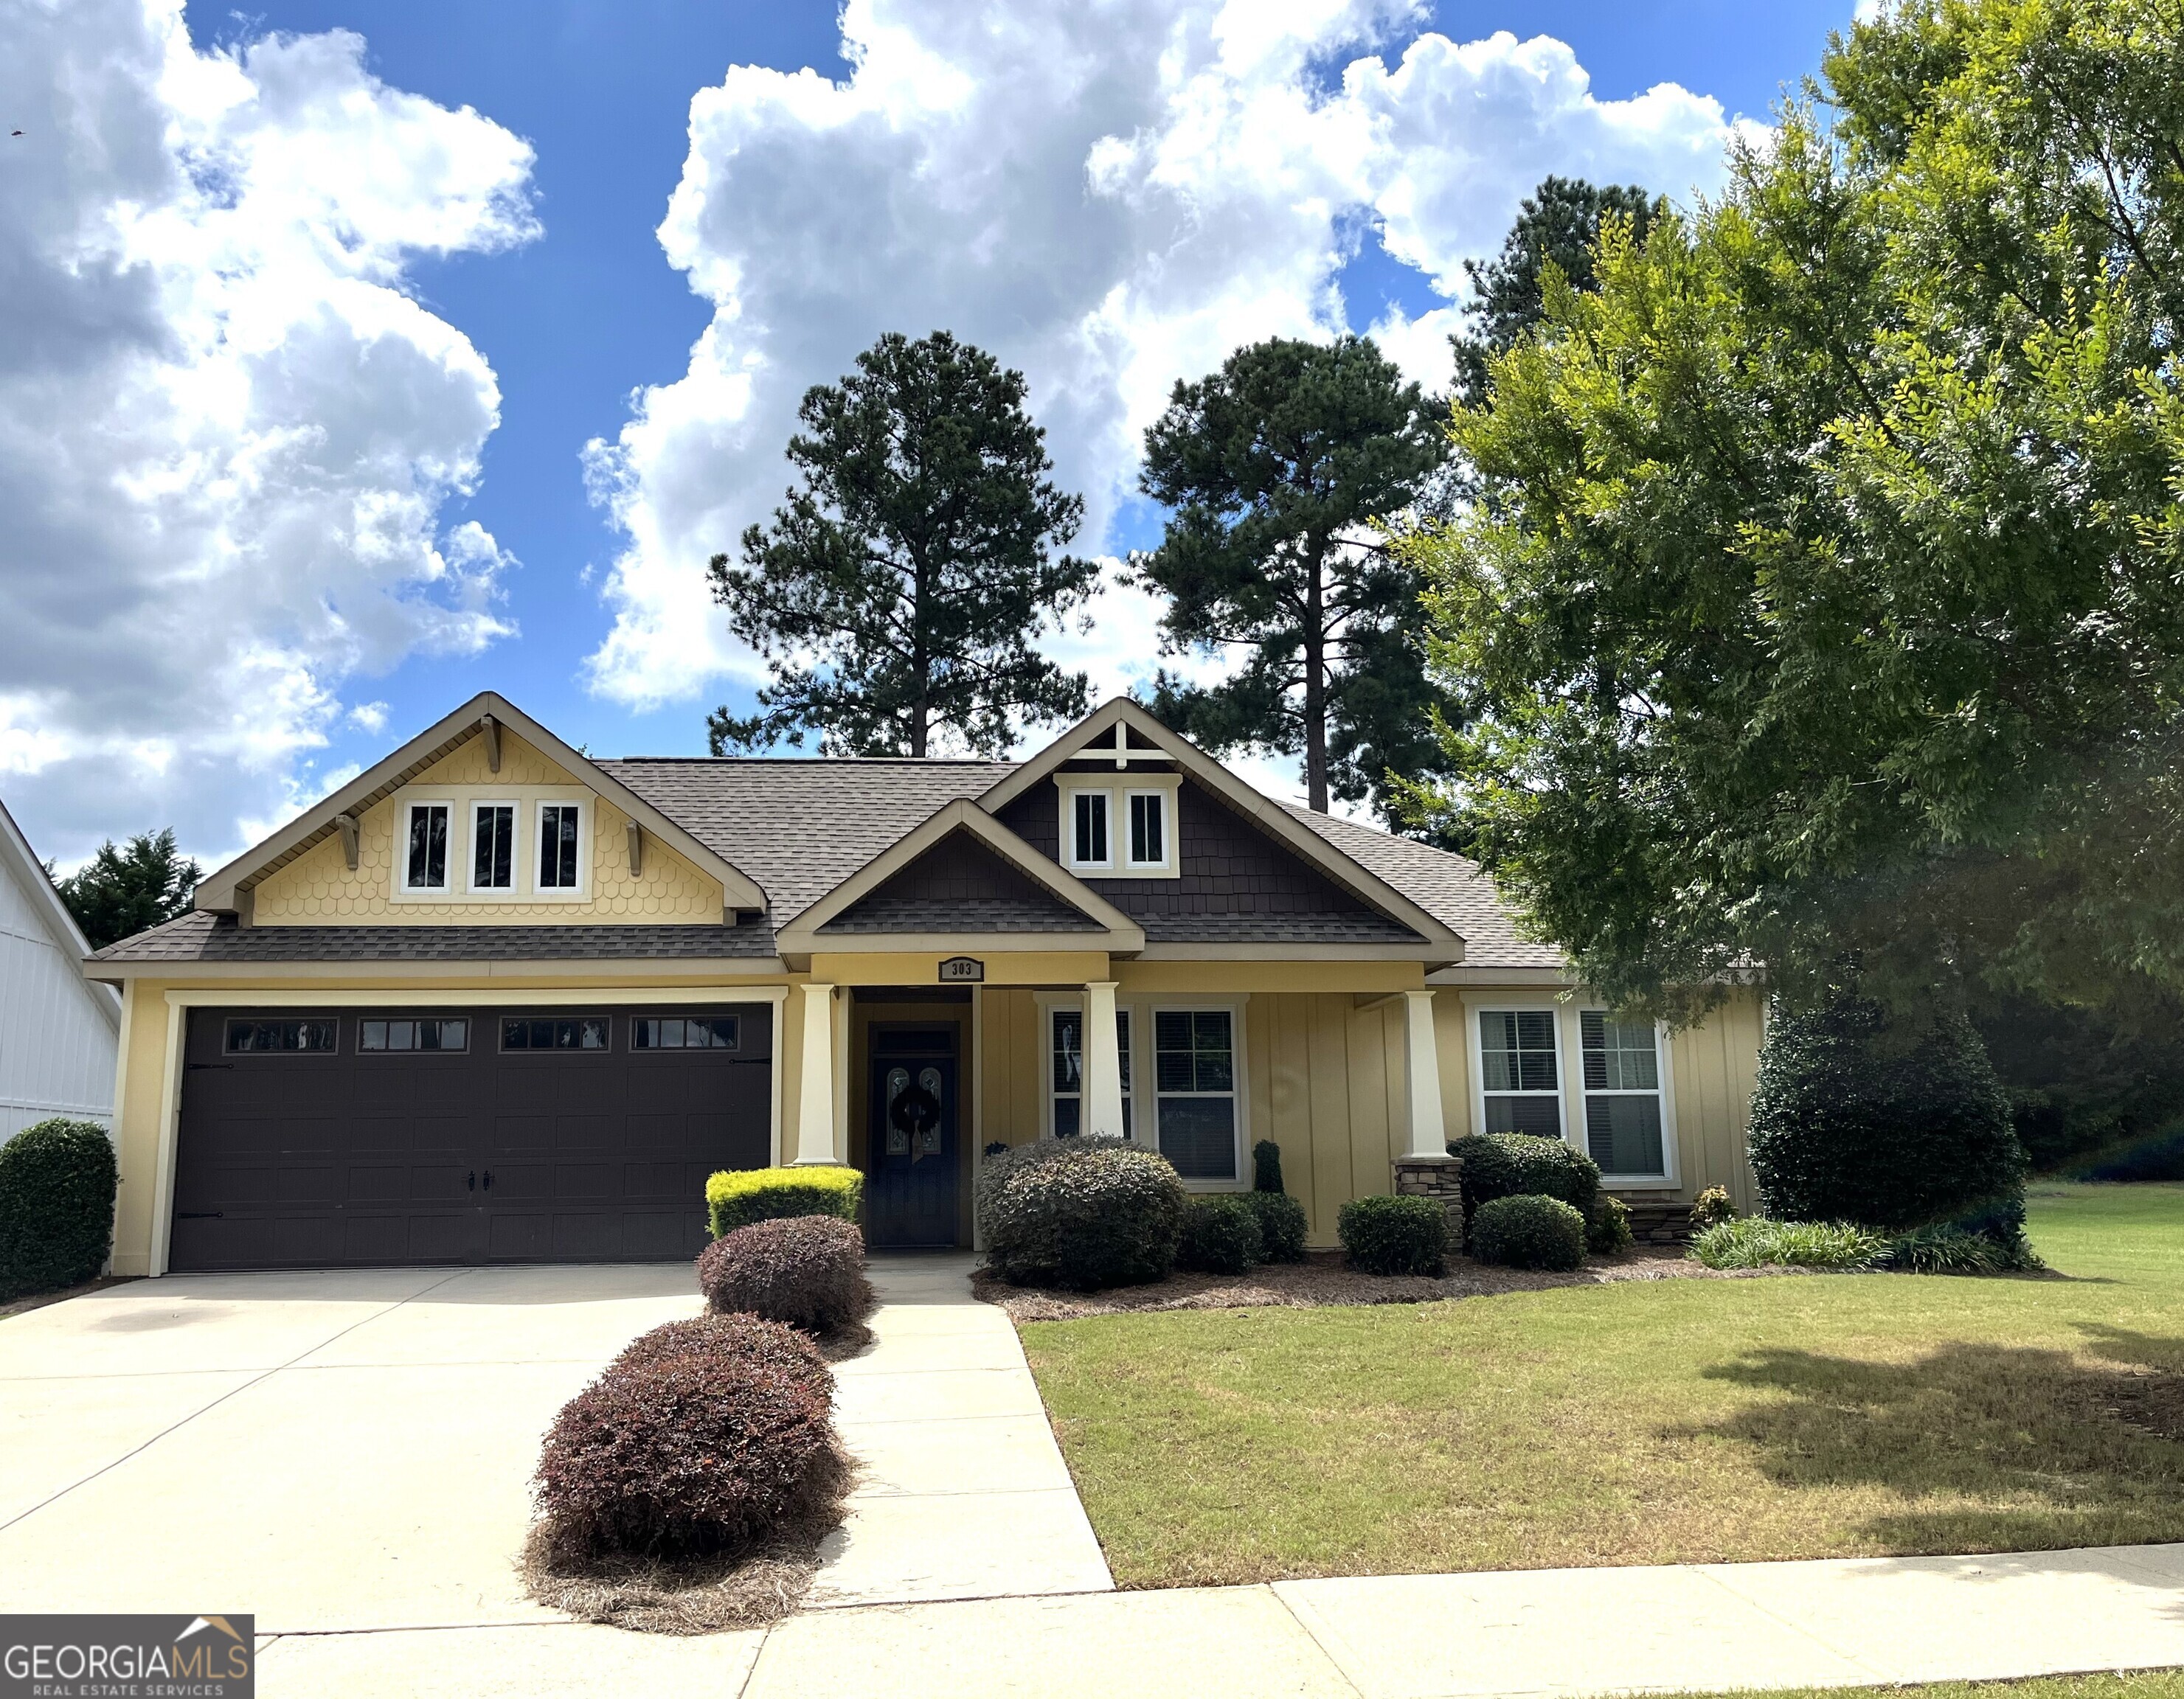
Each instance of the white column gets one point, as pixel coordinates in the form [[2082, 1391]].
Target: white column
[[1103, 1062], [1428, 1132], [816, 1122]]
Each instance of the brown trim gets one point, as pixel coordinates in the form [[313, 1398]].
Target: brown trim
[[1440, 944], [227, 889]]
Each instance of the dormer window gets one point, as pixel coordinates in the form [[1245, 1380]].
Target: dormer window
[[1148, 828], [425, 865], [493, 846], [1088, 833], [561, 845]]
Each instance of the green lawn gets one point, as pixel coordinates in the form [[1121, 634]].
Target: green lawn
[[1648, 1422]]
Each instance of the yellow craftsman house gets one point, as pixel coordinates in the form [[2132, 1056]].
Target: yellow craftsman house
[[496, 1000]]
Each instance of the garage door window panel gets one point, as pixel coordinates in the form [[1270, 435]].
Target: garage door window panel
[[307, 1037], [433, 1035], [591, 1032]]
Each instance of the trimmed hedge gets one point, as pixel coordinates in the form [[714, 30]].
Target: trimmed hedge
[[57, 1185], [699, 1450], [1395, 1235], [806, 1271], [1081, 1213], [1893, 1131], [1507, 1164], [1220, 1234], [770, 1345], [737, 1198], [1608, 1228], [1282, 1226], [1529, 1231]]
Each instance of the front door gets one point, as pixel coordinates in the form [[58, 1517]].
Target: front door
[[910, 1193]]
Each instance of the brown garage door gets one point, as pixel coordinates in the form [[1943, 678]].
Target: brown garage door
[[323, 1138]]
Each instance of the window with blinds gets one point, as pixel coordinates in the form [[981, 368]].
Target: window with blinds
[[1623, 1121], [1519, 1074]]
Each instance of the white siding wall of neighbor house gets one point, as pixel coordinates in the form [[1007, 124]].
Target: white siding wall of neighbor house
[[58, 1031]]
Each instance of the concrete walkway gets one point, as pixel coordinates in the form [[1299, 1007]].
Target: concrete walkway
[[963, 1494]]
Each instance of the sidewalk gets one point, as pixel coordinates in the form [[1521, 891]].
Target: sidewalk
[[962, 1494], [1539, 1632]]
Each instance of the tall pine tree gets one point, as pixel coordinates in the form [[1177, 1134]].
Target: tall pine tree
[[122, 890], [1279, 469], [897, 593]]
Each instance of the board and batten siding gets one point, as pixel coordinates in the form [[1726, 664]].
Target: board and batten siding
[[57, 1030]]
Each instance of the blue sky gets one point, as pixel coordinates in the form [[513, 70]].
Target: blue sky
[[579, 313]]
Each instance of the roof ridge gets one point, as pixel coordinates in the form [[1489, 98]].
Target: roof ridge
[[813, 760]]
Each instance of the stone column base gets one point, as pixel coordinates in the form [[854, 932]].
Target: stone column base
[[1441, 1179]]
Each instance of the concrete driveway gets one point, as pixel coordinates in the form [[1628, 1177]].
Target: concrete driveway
[[336, 1450]]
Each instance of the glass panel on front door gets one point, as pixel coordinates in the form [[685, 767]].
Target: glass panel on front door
[[911, 1115]]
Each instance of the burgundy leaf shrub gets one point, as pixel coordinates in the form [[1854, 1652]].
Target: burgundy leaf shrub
[[808, 1271], [729, 1339]]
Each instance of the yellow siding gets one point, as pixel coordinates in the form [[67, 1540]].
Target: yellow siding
[[138, 1124], [318, 890], [1713, 1069], [1009, 1062]]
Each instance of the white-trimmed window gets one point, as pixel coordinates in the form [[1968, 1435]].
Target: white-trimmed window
[[1623, 1117], [1067, 1029], [1148, 836], [560, 846], [493, 846], [1091, 830], [1194, 1091], [425, 846], [1520, 1078]]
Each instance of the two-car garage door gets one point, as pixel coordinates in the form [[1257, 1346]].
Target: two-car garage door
[[322, 1138]]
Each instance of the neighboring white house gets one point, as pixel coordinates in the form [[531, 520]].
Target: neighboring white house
[[58, 1030]]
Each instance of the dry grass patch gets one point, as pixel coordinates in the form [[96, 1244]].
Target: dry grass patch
[[1646, 1421]]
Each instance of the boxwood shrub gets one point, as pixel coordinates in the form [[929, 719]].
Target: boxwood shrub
[[703, 1450], [1608, 1228], [1529, 1231], [1282, 1226], [1395, 1235], [1220, 1234], [1505, 1165], [806, 1271], [737, 1198], [1081, 1213], [1852, 1122], [57, 1185]]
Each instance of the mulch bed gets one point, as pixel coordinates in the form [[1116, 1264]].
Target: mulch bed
[[1324, 1278]]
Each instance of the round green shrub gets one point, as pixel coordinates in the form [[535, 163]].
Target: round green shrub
[[1851, 1123], [1220, 1235], [1529, 1231], [1282, 1226], [805, 1270], [1081, 1213], [1608, 1228], [57, 1185], [1395, 1235], [1508, 1165]]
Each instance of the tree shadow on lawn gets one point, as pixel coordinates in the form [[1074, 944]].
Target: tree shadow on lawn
[[1992, 1448]]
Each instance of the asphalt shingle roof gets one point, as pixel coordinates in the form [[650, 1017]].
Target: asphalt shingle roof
[[800, 827]]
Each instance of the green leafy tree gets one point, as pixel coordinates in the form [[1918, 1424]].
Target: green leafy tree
[[1824, 598], [898, 591], [122, 890], [1557, 224], [1280, 469]]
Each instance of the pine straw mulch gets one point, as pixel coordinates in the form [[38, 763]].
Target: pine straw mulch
[[1324, 1278], [692, 1596]]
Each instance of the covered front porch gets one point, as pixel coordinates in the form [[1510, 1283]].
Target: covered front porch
[[913, 1068]]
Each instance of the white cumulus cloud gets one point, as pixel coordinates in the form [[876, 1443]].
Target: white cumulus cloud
[[226, 432], [1109, 196]]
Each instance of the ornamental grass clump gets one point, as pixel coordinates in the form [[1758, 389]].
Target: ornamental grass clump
[[1528, 1231], [1757, 1242], [1220, 1235], [737, 1198], [805, 1270], [690, 1452], [1395, 1235], [1081, 1213], [57, 1186]]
